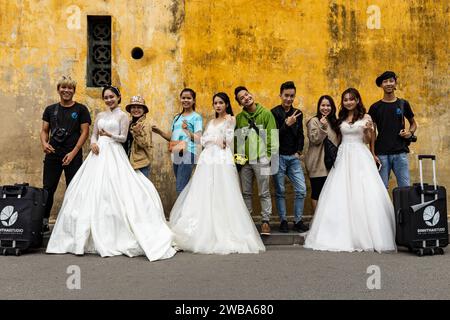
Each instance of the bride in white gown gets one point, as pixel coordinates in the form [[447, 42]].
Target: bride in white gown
[[109, 208], [354, 212], [210, 215]]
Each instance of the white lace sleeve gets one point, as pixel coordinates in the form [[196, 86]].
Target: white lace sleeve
[[94, 136], [124, 124], [229, 131], [207, 138]]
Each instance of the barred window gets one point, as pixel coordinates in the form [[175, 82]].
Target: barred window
[[99, 51]]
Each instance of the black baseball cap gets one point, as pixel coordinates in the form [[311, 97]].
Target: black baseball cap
[[385, 75]]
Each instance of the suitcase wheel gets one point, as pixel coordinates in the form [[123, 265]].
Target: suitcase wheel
[[419, 252], [439, 251], [17, 252], [5, 252]]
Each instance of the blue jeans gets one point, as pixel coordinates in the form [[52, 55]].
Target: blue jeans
[[183, 170], [399, 164], [290, 166], [145, 171]]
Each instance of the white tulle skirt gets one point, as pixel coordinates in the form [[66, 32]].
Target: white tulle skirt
[[354, 211], [210, 215], [111, 209]]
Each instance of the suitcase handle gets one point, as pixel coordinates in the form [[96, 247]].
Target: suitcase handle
[[24, 184], [16, 191], [423, 192], [19, 190], [426, 156]]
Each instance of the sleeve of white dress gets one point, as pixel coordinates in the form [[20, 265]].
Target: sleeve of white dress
[[229, 132], [124, 124], [94, 136], [206, 137]]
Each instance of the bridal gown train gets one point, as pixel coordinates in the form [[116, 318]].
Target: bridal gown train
[[354, 211], [109, 208], [210, 215]]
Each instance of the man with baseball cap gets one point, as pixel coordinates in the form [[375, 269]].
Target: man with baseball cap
[[138, 145], [390, 148]]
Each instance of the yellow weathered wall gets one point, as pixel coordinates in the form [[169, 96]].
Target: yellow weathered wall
[[40, 41], [324, 46]]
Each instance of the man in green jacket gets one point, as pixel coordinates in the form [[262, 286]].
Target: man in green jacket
[[257, 138]]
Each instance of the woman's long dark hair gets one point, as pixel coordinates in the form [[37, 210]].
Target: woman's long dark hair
[[360, 110], [226, 99], [332, 115]]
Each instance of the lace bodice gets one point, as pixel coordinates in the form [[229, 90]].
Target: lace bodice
[[115, 122], [353, 133], [216, 133]]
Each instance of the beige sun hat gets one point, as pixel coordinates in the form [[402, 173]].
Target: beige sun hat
[[137, 101]]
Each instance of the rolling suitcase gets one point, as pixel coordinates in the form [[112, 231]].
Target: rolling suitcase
[[421, 215], [21, 215]]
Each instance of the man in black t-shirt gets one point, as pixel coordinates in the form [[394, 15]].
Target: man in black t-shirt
[[390, 149], [65, 128]]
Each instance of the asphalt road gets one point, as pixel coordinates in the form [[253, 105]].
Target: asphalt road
[[283, 272]]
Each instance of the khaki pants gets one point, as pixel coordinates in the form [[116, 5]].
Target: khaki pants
[[262, 181]]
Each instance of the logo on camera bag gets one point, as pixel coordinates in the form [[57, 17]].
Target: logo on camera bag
[[8, 217], [430, 216]]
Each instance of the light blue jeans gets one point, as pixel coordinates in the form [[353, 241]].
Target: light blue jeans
[[398, 163], [290, 166]]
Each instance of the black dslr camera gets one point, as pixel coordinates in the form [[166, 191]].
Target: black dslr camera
[[59, 135], [413, 138]]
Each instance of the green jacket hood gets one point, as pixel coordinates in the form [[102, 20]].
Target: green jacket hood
[[258, 111]]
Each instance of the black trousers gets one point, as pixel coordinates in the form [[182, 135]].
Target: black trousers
[[53, 169]]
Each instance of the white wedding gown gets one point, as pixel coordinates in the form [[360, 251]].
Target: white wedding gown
[[109, 208], [210, 215], [354, 211]]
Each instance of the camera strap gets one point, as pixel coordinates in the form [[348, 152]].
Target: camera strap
[[54, 118], [252, 125], [402, 107]]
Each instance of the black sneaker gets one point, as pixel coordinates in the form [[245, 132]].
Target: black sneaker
[[301, 227], [284, 226]]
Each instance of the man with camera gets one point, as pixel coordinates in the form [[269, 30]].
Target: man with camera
[[390, 148], [65, 128]]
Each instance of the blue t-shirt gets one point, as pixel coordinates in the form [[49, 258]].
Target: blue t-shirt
[[195, 124]]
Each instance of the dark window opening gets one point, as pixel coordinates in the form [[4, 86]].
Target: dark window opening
[[99, 51]]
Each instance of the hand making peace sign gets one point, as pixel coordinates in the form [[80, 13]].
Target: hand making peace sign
[[292, 119]]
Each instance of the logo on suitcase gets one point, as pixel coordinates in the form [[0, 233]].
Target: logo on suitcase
[[431, 217], [8, 217]]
